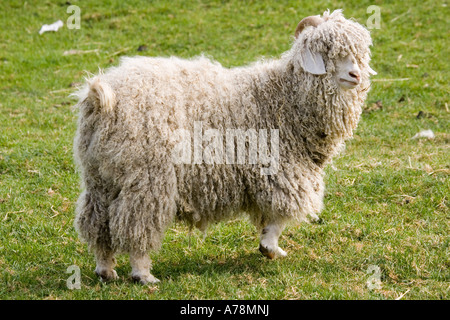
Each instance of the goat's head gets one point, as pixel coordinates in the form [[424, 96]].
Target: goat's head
[[332, 44]]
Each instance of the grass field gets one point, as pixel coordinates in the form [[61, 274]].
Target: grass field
[[387, 194]]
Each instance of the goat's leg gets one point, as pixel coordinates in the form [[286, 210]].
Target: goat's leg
[[105, 265], [268, 244], [140, 268]]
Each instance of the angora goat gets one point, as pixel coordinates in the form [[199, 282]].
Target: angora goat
[[132, 117]]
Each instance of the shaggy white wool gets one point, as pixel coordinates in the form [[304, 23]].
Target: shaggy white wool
[[128, 118]]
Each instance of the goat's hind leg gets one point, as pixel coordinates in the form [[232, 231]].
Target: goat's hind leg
[[105, 265], [140, 268], [269, 241], [91, 224]]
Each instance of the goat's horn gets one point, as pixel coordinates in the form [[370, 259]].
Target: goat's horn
[[306, 22]]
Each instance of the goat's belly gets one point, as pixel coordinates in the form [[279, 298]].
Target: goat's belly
[[208, 193]]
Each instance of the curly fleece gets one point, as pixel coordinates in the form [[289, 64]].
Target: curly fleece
[[132, 189]]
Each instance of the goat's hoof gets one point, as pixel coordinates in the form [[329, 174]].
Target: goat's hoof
[[145, 279], [272, 253], [106, 275], [314, 218], [266, 252]]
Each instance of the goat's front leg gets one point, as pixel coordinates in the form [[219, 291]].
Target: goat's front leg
[[268, 244]]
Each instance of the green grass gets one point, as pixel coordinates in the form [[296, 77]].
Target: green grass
[[387, 195]]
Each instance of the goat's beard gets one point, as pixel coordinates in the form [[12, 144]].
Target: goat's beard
[[338, 108]]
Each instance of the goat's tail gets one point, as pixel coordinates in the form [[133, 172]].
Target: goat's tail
[[102, 93]]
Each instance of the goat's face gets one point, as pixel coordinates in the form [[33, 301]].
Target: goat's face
[[348, 73], [334, 47]]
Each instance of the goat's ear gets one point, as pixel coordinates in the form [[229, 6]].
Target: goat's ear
[[312, 62]]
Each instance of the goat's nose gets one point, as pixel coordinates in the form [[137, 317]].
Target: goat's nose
[[355, 74]]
